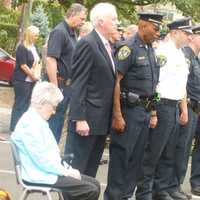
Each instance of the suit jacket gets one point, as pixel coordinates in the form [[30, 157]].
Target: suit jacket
[[92, 85]]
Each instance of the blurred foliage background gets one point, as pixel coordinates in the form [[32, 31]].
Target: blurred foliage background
[[47, 13]]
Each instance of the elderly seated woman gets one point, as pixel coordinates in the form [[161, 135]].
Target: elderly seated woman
[[39, 152]]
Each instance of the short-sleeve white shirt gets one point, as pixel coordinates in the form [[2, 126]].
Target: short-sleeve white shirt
[[174, 73]]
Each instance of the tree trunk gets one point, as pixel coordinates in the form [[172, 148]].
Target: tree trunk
[[24, 19]]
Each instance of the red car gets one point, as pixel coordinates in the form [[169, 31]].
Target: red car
[[7, 65]]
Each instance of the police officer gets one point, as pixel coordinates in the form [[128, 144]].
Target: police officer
[[137, 78], [195, 173], [159, 154], [61, 45], [187, 131]]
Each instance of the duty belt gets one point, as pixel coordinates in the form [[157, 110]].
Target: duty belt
[[194, 105], [131, 99]]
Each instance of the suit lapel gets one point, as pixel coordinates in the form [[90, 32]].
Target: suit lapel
[[103, 51]]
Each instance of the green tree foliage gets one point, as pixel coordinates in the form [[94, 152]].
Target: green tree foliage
[[189, 8], [53, 9], [40, 19], [9, 20], [126, 8]]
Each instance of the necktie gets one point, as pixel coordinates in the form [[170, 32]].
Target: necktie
[[109, 50]]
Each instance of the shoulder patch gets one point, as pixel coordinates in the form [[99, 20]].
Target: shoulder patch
[[123, 53], [161, 59]]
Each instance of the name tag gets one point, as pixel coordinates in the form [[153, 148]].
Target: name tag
[[141, 58]]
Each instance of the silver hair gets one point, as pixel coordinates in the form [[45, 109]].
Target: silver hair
[[75, 9], [100, 11], [45, 92]]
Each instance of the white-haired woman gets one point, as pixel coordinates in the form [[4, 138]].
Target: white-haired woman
[[24, 77], [39, 152]]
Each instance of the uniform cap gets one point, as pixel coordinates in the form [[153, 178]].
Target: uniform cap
[[181, 24], [155, 18], [196, 29]]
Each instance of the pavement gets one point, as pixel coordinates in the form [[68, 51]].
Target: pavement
[[7, 174]]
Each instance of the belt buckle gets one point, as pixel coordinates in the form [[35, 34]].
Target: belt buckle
[[68, 82], [147, 104]]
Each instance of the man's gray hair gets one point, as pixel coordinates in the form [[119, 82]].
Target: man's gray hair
[[45, 92], [75, 9], [100, 11]]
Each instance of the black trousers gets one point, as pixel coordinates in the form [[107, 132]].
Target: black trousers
[[87, 150], [183, 148], [23, 91], [126, 153], [159, 153], [73, 189], [195, 172]]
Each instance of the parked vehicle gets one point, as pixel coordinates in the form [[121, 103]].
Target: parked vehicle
[[7, 65]]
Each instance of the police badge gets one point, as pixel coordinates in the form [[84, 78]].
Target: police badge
[[123, 53]]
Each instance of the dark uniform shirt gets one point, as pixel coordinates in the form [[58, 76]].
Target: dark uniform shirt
[[61, 45], [137, 62], [193, 83], [23, 56]]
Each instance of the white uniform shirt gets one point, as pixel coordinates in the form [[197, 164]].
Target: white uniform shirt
[[174, 73]]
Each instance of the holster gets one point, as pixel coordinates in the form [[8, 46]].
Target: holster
[[131, 99]]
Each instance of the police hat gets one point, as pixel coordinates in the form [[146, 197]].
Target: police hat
[[155, 18], [196, 29], [181, 24]]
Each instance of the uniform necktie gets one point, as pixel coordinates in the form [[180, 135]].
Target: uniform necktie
[[109, 50]]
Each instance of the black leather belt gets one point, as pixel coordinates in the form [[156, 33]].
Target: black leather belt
[[169, 102], [63, 82]]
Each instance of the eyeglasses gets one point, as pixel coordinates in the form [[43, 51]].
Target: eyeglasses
[[52, 105]]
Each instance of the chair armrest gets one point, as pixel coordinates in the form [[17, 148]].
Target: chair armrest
[[68, 158]]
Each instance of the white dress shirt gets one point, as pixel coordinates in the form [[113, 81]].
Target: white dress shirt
[[107, 47]]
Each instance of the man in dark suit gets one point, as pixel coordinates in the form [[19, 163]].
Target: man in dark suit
[[93, 79]]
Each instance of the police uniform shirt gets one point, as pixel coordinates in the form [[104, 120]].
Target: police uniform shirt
[[61, 44], [173, 72], [137, 62], [193, 84]]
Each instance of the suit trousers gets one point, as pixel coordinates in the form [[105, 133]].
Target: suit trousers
[[56, 121], [23, 91], [126, 152], [159, 153], [195, 172], [87, 150]]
